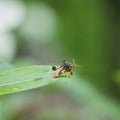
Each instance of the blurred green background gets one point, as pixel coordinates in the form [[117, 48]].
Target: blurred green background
[[37, 32]]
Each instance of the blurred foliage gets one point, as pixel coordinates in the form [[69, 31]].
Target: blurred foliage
[[51, 31], [5, 66]]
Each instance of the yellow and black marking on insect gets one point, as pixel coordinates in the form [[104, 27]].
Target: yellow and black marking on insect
[[63, 69]]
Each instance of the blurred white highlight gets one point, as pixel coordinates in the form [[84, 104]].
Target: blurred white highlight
[[41, 23], [11, 15]]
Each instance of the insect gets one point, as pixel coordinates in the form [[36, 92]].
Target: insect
[[65, 68]]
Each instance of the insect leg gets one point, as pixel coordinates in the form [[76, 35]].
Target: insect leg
[[67, 74], [71, 72]]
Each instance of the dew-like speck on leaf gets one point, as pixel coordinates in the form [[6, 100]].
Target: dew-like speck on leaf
[[37, 79], [16, 88]]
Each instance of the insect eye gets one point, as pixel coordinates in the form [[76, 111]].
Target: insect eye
[[54, 68], [65, 63]]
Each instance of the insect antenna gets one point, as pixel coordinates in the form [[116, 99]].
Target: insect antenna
[[75, 63]]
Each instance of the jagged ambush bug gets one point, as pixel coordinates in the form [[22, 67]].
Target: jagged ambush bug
[[65, 68]]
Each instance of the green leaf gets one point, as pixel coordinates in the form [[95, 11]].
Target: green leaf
[[25, 78]]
